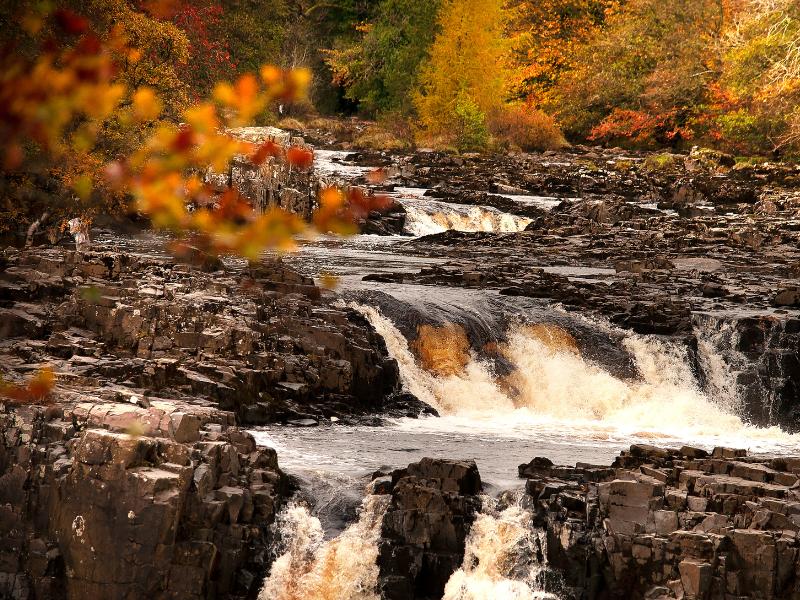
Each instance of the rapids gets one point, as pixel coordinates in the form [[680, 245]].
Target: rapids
[[511, 378], [503, 558]]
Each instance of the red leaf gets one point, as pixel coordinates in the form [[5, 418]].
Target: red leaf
[[70, 22], [300, 157], [184, 140], [265, 150]]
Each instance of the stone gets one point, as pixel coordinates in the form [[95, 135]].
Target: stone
[[787, 297], [705, 535], [433, 503], [184, 427]]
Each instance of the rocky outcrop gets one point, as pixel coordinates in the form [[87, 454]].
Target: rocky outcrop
[[274, 182], [255, 340], [90, 511], [662, 523], [425, 526]]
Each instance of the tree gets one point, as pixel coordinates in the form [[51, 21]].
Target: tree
[[68, 83], [380, 69], [761, 77], [467, 69], [644, 74], [255, 32], [547, 35], [202, 23], [56, 104]]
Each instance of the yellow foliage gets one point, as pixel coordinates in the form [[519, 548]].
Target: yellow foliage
[[468, 60]]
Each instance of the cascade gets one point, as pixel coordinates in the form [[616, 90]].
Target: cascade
[[549, 384], [504, 558], [308, 567]]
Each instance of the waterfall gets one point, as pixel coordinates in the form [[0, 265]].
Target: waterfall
[[558, 385], [746, 364], [310, 568], [504, 558], [719, 361], [425, 217]]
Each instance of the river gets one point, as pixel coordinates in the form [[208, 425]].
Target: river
[[511, 378]]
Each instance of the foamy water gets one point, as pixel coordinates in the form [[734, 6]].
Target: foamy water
[[501, 558], [425, 217], [312, 568], [551, 388]]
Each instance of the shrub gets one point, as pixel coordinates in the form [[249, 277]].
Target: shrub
[[376, 137], [526, 128], [471, 132], [659, 162], [291, 124]]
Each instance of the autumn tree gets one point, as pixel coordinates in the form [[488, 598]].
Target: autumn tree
[[643, 75], [466, 76], [57, 101], [546, 36], [379, 70], [759, 108], [75, 76], [201, 21]]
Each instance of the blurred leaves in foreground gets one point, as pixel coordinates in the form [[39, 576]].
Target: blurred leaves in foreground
[[36, 391], [63, 100]]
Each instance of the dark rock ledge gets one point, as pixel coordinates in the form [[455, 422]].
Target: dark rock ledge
[[657, 524], [662, 523], [135, 480]]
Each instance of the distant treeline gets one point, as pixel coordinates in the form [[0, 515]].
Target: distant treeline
[[724, 73]]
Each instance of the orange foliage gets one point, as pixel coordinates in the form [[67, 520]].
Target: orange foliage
[[641, 127], [340, 210], [546, 35], [36, 390], [526, 127], [59, 100]]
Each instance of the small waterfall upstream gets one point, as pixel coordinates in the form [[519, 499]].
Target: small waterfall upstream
[[426, 217]]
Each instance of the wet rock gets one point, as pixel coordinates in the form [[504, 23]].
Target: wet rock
[[665, 523], [113, 515], [787, 297], [258, 341], [424, 529]]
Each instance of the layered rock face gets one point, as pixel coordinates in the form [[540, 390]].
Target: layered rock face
[[276, 182], [257, 340], [425, 527], [662, 524], [272, 183], [89, 511], [135, 480]]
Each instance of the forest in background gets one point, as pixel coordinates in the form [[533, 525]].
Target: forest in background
[[642, 73], [89, 87], [645, 73]]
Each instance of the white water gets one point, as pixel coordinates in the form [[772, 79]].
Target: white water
[[332, 168], [425, 217], [558, 389], [311, 568], [500, 558], [721, 373]]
